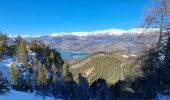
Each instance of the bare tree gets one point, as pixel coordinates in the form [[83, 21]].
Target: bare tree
[[158, 16]]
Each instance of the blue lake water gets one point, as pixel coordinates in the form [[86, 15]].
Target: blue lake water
[[72, 54]]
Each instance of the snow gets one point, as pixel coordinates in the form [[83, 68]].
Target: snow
[[125, 56], [162, 97], [132, 55], [17, 95], [99, 32], [4, 66], [106, 32], [111, 31], [142, 30], [24, 36]]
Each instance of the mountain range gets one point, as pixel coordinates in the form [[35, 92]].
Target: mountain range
[[101, 40]]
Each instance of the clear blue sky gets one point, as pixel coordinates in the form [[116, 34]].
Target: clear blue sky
[[49, 16]]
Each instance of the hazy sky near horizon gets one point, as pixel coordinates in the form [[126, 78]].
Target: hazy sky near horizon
[[50, 16]]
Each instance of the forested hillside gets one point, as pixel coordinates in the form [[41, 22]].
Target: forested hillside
[[110, 66], [37, 68]]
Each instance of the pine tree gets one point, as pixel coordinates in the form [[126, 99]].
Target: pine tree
[[3, 44], [26, 80], [38, 47], [3, 84], [19, 40], [82, 86], [42, 79], [52, 56], [42, 75], [15, 76], [22, 54], [66, 74], [53, 69], [12, 48], [68, 85], [55, 80]]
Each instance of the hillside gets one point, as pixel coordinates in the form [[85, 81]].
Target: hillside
[[103, 65]]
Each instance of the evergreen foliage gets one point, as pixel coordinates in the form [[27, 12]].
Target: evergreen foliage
[[3, 44], [22, 54], [15, 76], [3, 84], [42, 80]]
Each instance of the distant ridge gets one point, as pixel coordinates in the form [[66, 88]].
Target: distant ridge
[[92, 33], [101, 40], [106, 32]]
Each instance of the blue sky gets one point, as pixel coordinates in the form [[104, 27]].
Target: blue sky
[[49, 16]]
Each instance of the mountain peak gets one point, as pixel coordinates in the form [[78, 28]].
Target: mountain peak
[[112, 31], [106, 32]]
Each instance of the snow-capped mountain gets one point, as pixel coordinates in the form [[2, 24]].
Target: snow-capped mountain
[[101, 40], [106, 32], [25, 36], [93, 33], [99, 32]]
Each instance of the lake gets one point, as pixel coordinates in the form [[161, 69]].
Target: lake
[[72, 54]]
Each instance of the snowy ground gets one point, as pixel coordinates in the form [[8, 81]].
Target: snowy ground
[[162, 97], [17, 95], [4, 66], [12, 94]]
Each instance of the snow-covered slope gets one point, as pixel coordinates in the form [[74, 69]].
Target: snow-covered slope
[[4, 66], [162, 97], [17, 95]]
